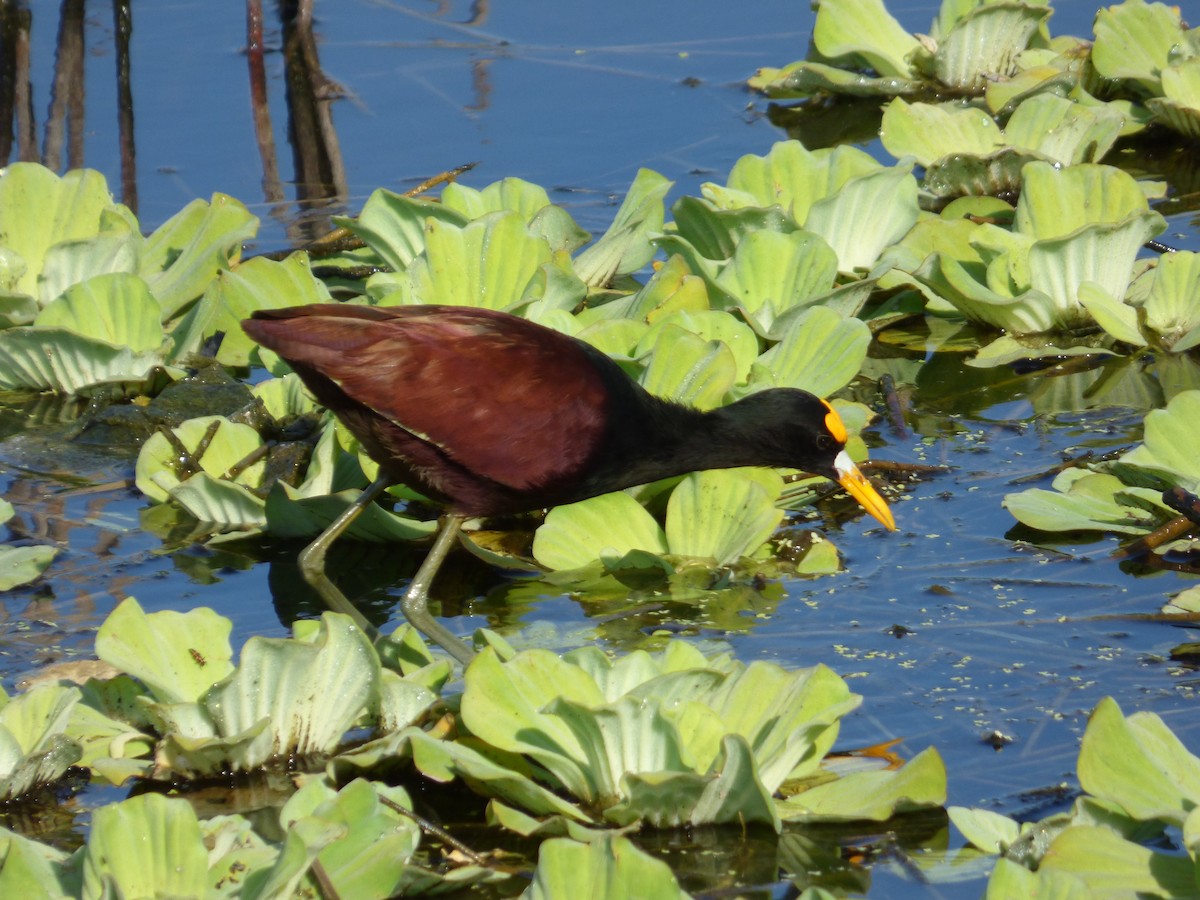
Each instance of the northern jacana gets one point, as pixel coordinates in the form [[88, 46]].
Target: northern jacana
[[492, 414]]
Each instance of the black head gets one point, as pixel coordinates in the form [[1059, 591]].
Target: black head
[[790, 428]]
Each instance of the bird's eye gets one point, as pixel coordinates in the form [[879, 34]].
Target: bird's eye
[[824, 441]]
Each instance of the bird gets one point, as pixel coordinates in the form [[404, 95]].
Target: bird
[[493, 414]]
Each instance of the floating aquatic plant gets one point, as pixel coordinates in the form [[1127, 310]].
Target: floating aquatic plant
[[1140, 784], [1123, 496]]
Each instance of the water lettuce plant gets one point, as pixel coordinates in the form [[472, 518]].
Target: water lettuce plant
[[666, 739], [1122, 496], [86, 302], [571, 744], [859, 49], [23, 564], [1141, 793], [1075, 237]]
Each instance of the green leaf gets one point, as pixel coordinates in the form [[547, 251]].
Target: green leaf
[[929, 132], [1179, 109], [1137, 763], [866, 214], [444, 760], [688, 369], [39, 210], [178, 656], [229, 443], [791, 177], [1057, 202], [1171, 308], [987, 830], [74, 262], [54, 359], [1112, 867], [186, 252], [21, 565], [117, 309], [233, 295], [983, 45], [35, 870], [1134, 42], [610, 868], [393, 226], [873, 795], [148, 846], [864, 30], [1117, 318], [723, 515], [370, 857], [820, 352], [34, 748], [224, 505], [1011, 879], [710, 324], [715, 233], [1063, 131], [1080, 501], [626, 246], [493, 262], [311, 692], [771, 272], [606, 526], [730, 792], [1169, 445]]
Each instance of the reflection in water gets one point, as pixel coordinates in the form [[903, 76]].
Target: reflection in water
[[123, 29], [66, 103], [319, 173]]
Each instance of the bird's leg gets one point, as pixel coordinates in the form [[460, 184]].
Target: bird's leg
[[312, 559], [416, 598]]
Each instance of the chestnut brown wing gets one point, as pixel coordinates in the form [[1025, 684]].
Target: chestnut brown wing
[[505, 399]]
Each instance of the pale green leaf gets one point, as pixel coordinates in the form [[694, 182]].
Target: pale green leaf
[[224, 505], [38, 209], [865, 30], [310, 692], [186, 252], [21, 565], [147, 846], [983, 45], [688, 369], [393, 226], [626, 246], [55, 359], [1137, 763], [606, 526], [723, 515], [229, 443], [1168, 449], [1114, 868], [610, 868], [1117, 318], [872, 795], [771, 272], [820, 352], [233, 295], [494, 262], [117, 309], [987, 830], [1134, 41], [178, 656], [929, 132]]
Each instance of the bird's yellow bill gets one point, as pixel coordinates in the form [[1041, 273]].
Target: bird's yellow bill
[[863, 491]]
